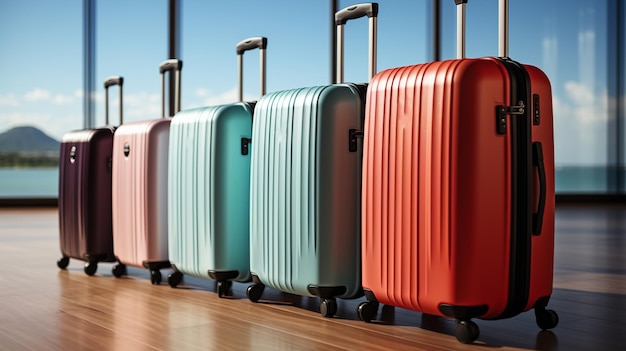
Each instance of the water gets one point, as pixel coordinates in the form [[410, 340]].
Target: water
[[29, 182], [43, 182], [589, 179]]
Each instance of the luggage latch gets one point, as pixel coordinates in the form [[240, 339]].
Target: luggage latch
[[126, 149], [503, 111], [73, 154], [245, 146], [536, 109], [353, 135]]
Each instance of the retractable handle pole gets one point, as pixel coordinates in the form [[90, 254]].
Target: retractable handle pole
[[174, 66], [251, 44], [503, 28], [352, 12], [503, 24], [111, 81], [461, 6]]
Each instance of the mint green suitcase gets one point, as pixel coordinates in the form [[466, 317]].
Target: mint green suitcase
[[209, 189], [305, 192]]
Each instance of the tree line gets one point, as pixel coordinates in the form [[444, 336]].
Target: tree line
[[15, 159]]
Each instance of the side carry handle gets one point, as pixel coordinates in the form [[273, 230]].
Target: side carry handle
[[111, 81], [174, 66], [353, 12], [538, 162], [251, 44]]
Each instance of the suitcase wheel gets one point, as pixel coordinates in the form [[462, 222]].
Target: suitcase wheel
[[367, 311], [546, 319], [328, 307], [91, 267], [467, 332], [223, 287], [174, 278], [63, 262], [255, 291], [119, 270], [155, 277]]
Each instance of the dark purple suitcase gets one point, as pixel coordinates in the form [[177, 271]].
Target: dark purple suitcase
[[85, 177]]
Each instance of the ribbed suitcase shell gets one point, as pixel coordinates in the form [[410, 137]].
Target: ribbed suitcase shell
[[140, 192], [209, 190], [437, 188], [305, 190], [85, 195]]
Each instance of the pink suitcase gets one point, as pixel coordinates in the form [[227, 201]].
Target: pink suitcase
[[140, 157]]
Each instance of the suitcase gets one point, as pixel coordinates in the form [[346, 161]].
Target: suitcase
[[305, 188], [85, 224], [209, 188], [140, 155], [458, 190]]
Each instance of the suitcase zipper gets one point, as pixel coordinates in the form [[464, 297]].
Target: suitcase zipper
[[521, 187]]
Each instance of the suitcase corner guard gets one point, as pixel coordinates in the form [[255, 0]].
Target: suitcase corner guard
[[326, 292], [463, 313]]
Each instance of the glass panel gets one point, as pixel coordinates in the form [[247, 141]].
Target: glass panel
[[569, 43], [131, 41], [403, 38], [298, 52], [41, 87]]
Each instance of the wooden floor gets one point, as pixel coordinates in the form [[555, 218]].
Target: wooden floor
[[45, 308]]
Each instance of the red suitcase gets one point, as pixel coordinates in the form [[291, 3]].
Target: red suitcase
[[458, 190], [85, 225]]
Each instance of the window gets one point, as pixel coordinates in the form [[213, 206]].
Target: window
[[580, 46], [41, 86]]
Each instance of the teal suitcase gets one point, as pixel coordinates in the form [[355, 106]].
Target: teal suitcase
[[305, 192], [209, 189]]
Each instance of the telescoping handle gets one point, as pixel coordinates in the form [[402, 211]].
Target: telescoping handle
[[251, 44], [111, 81], [174, 66], [352, 12], [503, 28], [503, 25], [461, 6]]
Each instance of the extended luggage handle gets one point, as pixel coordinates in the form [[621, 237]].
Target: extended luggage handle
[[503, 25], [111, 81], [174, 66], [243, 46], [251, 44], [353, 12], [461, 6]]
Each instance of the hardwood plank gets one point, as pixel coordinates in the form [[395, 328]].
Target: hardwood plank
[[43, 307]]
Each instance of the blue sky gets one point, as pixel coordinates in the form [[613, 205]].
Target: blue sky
[[41, 65]]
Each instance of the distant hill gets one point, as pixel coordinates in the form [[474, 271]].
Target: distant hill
[[27, 139]]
